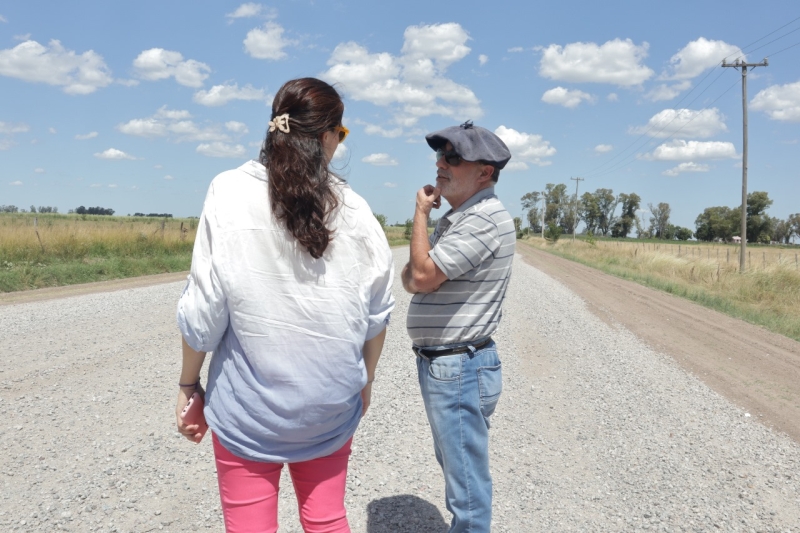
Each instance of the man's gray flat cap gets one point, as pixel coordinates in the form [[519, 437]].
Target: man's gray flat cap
[[472, 143]]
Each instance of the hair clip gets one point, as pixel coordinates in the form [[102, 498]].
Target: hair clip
[[280, 122], [467, 125]]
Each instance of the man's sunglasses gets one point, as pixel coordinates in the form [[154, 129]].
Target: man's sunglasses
[[450, 157], [343, 132]]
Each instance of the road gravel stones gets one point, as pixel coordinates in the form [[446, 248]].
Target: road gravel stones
[[594, 432]]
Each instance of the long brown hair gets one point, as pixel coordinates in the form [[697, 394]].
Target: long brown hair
[[301, 191]]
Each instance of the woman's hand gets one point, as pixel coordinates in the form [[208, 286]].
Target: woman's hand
[[366, 397], [191, 432]]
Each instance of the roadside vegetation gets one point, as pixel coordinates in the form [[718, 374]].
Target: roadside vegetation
[[767, 294], [49, 249]]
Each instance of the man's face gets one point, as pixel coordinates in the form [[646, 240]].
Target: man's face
[[458, 184]]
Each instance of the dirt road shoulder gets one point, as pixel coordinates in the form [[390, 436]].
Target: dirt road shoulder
[[754, 368], [50, 293]]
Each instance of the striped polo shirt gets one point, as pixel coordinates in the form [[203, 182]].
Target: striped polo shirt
[[474, 246]]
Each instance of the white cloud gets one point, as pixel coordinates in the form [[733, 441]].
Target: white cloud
[[52, 130], [9, 128], [127, 83], [390, 185], [612, 97], [603, 148], [779, 102], [168, 177], [341, 152], [53, 64], [374, 129], [86, 136], [483, 59], [222, 94], [686, 167], [174, 124], [247, 10], [267, 43], [236, 127], [6, 144], [22, 37], [3, 19], [667, 92], [380, 160], [159, 64], [516, 49], [693, 124], [158, 166], [680, 150], [412, 84], [516, 165], [113, 154], [39, 170], [96, 185], [525, 148], [112, 185], [616, 62], [219, 149], [16, 183], [698, 56], [566, 97]]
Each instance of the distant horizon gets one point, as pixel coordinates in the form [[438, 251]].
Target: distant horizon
[[149, 102]]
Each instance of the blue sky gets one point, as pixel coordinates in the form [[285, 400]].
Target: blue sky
[[136, 106]]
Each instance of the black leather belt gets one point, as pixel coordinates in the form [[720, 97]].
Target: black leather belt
[[426, 352]]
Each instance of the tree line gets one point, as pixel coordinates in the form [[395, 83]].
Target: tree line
[[604, 213]]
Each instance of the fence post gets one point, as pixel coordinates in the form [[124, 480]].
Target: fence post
[[764, 258], [728, 260]]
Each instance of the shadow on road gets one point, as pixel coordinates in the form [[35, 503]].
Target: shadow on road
[[404, 513]]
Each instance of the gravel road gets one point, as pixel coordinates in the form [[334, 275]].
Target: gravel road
[[595, 431]]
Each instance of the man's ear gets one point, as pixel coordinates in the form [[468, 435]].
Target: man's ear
[[486, 174]]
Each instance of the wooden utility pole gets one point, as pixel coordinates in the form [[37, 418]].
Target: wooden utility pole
[[738, 64], [575, 227]]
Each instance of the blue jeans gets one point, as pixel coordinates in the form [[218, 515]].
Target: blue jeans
[[460, 392]]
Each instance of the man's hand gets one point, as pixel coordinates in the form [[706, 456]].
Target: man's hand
[[428, 197]]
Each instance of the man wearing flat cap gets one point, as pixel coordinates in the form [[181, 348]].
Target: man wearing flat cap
[[458, 277]]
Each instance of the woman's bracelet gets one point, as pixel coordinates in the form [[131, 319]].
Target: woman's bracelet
[[192, 385]]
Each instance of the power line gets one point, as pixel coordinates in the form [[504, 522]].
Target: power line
[[656, 140], [782, 50], [648, 129]]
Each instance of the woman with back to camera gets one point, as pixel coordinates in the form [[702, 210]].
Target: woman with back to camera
[[290, 287]]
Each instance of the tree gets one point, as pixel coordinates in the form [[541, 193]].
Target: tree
[[630, 204], [556, 201], [641, 232], [659, 219], [759, 225], [794, 224], [530, 203], [607, 204], [553, 232], [381, 220], [683, 234], [716, 223], [409, 227], [518, 227], [589, 211], [9, 209], [33, 209], [782, 230]]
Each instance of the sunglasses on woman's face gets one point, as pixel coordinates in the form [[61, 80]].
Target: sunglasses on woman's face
[[450, 157], [343, 132]]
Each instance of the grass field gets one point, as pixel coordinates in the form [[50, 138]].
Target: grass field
[[767, 294], [47, 250]]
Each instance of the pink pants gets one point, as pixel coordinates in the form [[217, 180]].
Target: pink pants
[[249, 492]]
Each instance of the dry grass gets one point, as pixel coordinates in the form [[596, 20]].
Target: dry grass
[[50, 249], [768, 293]]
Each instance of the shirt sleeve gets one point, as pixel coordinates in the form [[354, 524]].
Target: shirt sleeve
[[202, 309], [470, 242], [381, 301]]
